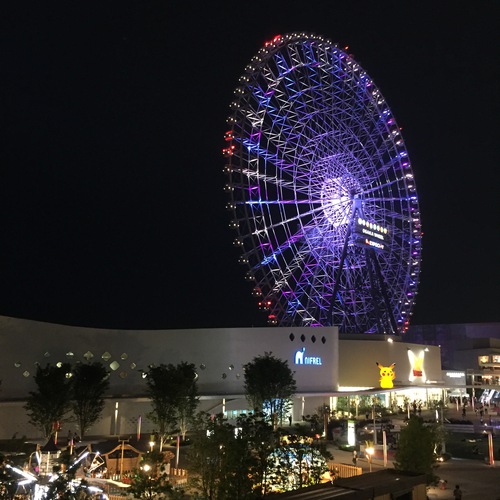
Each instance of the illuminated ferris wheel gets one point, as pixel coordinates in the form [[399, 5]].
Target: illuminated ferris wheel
[[321, 189]]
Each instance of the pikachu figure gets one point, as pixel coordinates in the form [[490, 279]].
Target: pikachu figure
[[387, 375]]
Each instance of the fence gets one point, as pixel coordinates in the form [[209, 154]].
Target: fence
[[344, 470], [178, 476]]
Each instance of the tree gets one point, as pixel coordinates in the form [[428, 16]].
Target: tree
[[224, 458], [415, 451], [188, 396], [297, 464], [269, 386], [89, 384], [262, 440], [150, 479], [174, 397], [50, 403], [211, 437]]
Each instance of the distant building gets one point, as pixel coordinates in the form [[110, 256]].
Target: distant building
[[472, 348]]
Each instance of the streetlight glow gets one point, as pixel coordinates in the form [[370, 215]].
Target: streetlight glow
[[370, 451]]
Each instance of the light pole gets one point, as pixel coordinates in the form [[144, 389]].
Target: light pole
[[491, 457], [369, 451], [374, 401]]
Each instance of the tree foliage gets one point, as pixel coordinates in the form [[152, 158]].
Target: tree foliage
[[250, 460], [296, 464], [208, 456], [174, 397], [415, 451], [270, 386], [150, 480], [62, 389], [227, 459], [50, 403], [90, 383]]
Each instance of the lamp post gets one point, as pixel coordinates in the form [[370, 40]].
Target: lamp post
[[374, 402], [369, 451], [491, 457], [122, 442]]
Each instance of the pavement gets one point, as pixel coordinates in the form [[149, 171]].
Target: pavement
[[477, 479]]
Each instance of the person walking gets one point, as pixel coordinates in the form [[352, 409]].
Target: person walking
[[457, 493]]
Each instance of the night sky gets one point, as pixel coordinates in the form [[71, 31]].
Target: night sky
[[113, 116]]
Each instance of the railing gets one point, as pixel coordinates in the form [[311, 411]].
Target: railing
[[344, 470], [178, 476]]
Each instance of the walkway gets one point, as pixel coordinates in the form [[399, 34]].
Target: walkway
[[477, 480]]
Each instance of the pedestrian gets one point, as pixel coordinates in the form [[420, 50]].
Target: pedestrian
[[290, 419], [355, 457], [457, 492]]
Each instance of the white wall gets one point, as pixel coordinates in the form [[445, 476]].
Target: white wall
[[218, 354], [358, 368]]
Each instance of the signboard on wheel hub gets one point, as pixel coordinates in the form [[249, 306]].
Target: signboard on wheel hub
[[370, 235]]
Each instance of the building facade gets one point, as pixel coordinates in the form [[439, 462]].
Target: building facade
[[325, 367]]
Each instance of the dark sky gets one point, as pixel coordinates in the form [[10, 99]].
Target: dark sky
[[113, 114]]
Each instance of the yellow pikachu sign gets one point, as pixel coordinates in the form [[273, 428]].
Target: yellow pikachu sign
[[387, 375]]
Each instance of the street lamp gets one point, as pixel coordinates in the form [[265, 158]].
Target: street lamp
[[491, 457], [152, 445], [374, 402], [369, 452]]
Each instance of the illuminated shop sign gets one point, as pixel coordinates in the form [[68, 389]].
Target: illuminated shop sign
[[368, 234], [302, 359], [417, 372], [387, 375], [351, 433], [455, 374]]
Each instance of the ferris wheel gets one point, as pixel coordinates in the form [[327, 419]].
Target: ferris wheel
[[322, 194]]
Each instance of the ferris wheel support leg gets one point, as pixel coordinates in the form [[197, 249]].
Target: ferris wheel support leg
[[338, 273], [383, 289], [373, 285]]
